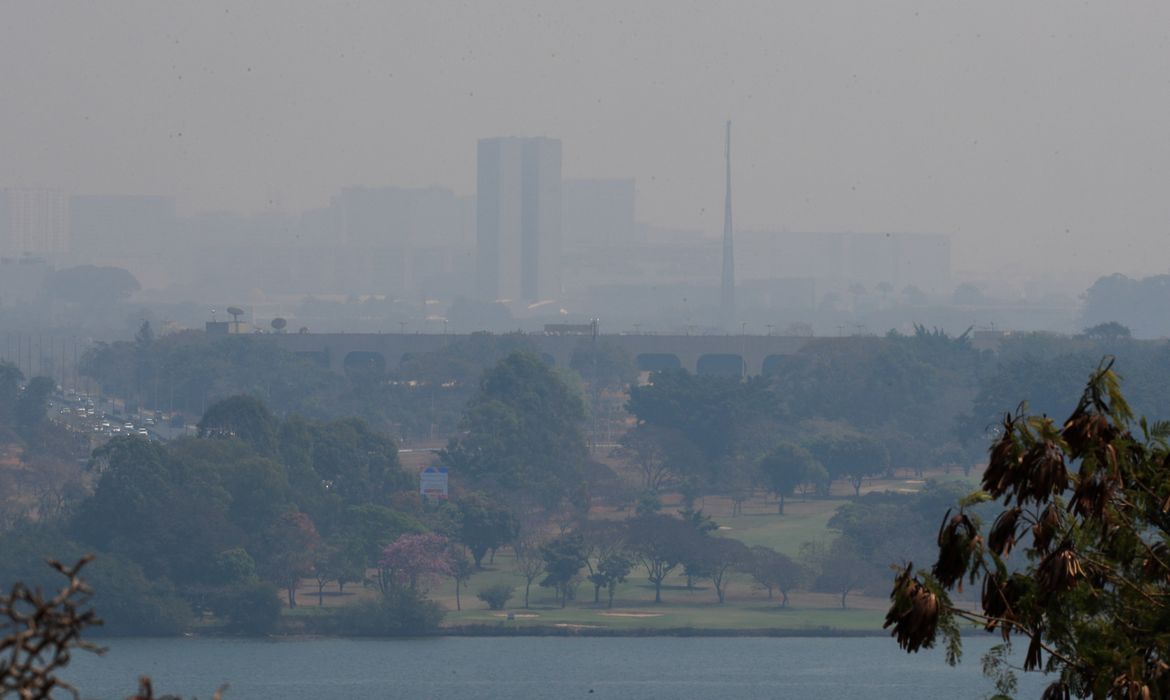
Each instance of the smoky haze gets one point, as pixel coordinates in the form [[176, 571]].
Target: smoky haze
[[1031, 131]]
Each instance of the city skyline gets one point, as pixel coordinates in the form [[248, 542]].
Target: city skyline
[[1033, 127]]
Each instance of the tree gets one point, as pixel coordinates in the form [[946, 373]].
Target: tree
[[349, 562], [738, 475], [484, 525], [33, 404], [563, 559], [357, 463], [529, 562], [818, 481], [603, 541], [243, 417], [325, 567], [461, 571], [370, 527], [612, 570], [706, 409], [522, 432], [695, 559], [1110, 330], [784, 468], [662, 456], [131, 603], [164, 510], [258, 487], [774, 571], [1086, 502], [840, 568], [659, 543], [233, 566], [288, 551], [410, 561], [45, 631], [10, 380], [717, 557], [851, 457]]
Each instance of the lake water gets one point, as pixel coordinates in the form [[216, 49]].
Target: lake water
[[537, 667]]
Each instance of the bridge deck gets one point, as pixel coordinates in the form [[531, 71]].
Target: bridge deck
[[705, 354]]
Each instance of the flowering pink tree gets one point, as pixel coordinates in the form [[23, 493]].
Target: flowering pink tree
[[411, 560]]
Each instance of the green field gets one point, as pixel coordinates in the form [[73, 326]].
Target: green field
[[747, 608]]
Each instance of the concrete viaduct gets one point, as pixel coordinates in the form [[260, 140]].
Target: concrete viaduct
[[735, 355]]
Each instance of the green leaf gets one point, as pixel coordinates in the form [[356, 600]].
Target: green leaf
[[974, 498]]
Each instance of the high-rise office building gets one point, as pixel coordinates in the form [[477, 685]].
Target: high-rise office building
[[33, 220], [518, 218]]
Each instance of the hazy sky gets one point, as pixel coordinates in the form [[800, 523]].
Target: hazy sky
[[1038, 130]]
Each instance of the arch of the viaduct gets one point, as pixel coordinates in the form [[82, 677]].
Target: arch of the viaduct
[[704, 354]]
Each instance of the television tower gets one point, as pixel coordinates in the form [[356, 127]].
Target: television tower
[[727, 290]]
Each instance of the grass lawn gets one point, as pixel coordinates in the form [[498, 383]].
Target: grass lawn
[[801, 522], [634, 608], [730, 616], [747, 608]]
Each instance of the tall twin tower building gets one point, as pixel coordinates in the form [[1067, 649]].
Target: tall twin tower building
[[518, 219], [518, 223]]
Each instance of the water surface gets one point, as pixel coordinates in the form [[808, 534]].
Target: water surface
[[537, 667]]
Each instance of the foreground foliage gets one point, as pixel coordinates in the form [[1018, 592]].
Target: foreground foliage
[[40, 633], [1088, 504]]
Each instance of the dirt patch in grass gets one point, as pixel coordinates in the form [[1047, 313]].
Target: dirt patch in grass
[[630, 614], [517, 616]]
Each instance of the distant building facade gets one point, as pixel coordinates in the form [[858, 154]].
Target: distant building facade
[[839, 261], [598, 212], [105, 226], [21, 279], [33, 220], [518, 219], [402, 242]]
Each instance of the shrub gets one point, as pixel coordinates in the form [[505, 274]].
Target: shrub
[[496, 596], [251, 608], [399, 614]]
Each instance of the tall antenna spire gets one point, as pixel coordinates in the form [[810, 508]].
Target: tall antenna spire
[[727, 290]]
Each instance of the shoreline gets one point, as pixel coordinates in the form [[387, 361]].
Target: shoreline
[[503, 630]]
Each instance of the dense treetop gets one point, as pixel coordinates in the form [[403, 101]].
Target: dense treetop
[[522, 432]]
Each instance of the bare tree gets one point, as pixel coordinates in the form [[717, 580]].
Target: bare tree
[[42, 634], [529, 562]]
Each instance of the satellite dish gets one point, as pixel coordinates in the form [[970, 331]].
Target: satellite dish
[[278, 324]]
